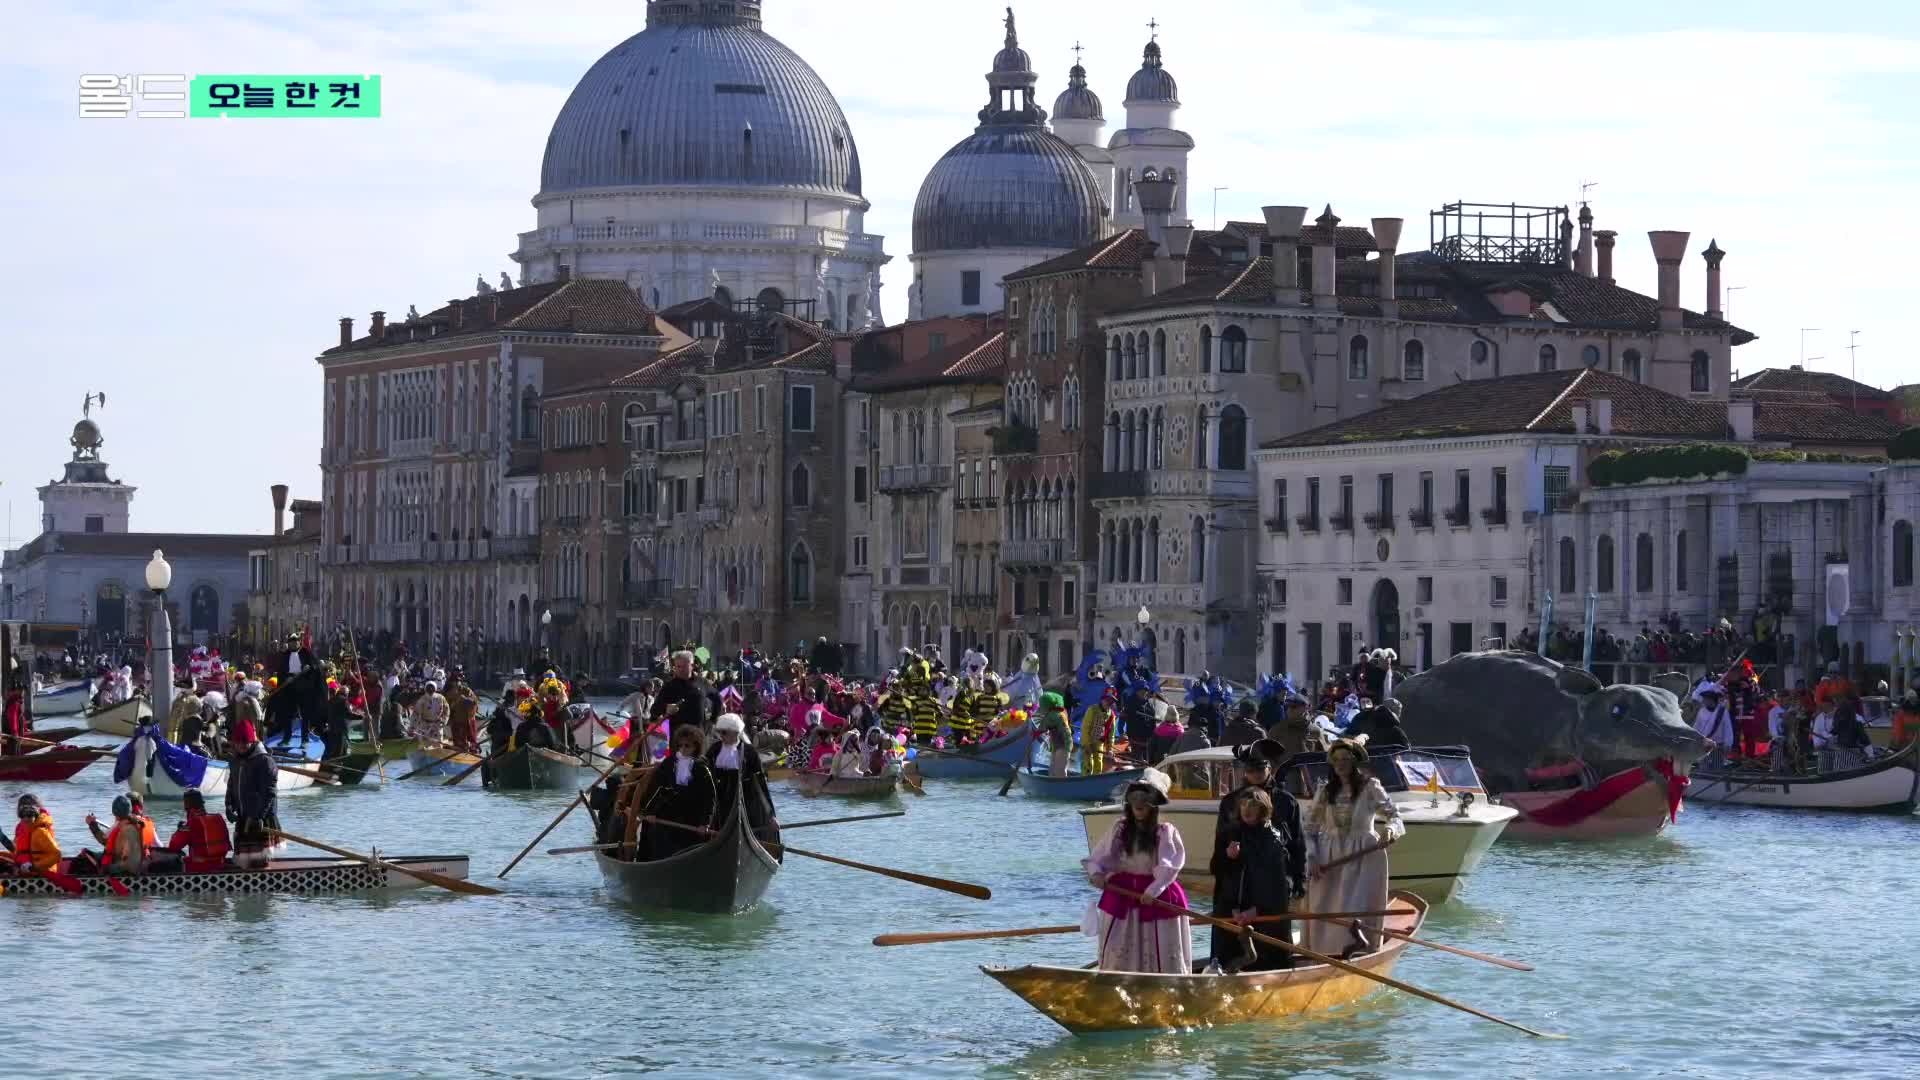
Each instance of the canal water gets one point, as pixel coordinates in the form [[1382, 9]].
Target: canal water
[[1740, 943]]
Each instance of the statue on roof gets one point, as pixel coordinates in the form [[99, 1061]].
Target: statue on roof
[[86, 407], [505, 281], [412, 313], [480, 286], [1013, 39]]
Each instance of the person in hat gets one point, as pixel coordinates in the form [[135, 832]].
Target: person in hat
[[1257, 768], [1244, 726], [1140, 857], [35, 850], [202, 837], [1349, 824], [1057, 730], [736, 766], [984, 707], [1295, 725], [683, 698], [681, 793], [138, 806], [1714, 721], [463, 711], [1097, 726], [123, 847], [252, 794], [1261, 883]]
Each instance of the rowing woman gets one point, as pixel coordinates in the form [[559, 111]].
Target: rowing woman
[[736, 765], [1142, 855]]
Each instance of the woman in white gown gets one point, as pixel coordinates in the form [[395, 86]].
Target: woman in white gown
[[1350, 813], [1140, 855]]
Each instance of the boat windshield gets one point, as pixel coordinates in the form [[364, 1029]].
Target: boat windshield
[[1397, 769]]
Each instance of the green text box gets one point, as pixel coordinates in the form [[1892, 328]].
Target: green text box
[[242, 96]]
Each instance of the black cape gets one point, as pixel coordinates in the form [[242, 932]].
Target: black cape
[[694, 803], [751, 780]]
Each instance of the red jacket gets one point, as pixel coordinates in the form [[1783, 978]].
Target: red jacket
[[204, 839]]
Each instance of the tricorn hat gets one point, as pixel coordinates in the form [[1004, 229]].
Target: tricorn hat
[[1260, 752]]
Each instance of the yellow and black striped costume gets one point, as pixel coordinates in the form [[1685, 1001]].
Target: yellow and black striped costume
[[926, 714], [894, 711], [986, 708]]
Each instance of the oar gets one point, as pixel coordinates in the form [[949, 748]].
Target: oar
[[1012, 775], [430, 765], [961, 888], [783, 828], [1361, 854], [1342, 965], [1497, 961], [1036, 931], [452, 884], [910, 778], [318, 778], [555, 823], [23, 740], [468, 771]]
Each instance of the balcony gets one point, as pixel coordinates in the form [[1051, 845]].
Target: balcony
[[712, 516], [1380, 521], [1204, 483], [1458, 517], [1277, 524], [1340, 522], [651, 592], [1309, 523], [1420, 519], [757, 233], [1039, 622], [691, 444], [407, 551], [1119, 485], [515, 547], [1019, 555], [1494, 515], [1015, 439], [919, 575], [565, 608], [921, 477]]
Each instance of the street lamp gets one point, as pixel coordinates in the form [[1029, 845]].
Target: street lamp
[[160, 637], [546, 620]]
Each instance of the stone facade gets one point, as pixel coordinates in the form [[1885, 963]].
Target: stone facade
[[976, 528]]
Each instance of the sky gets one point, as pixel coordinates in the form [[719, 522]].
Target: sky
[[192, 269]]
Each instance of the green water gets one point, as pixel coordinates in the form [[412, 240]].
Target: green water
[[1740, 943]]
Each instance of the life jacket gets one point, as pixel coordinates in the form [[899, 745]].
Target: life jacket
[[206, 842], [33, 843], [126, 849]]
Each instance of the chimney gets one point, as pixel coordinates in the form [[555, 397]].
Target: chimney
[[1283, 228], [1603, 240], [1326, 291], [279, 508], [459, 313], [563, 273], [1740, 418], [1386, 237], [378, 328], [1583, 255], [346, 330], [1713, 255], [1669, 248], [1579, 410], [493, 308], [1179, 245], [1602, 409]]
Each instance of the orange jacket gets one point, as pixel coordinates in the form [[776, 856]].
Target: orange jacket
[[34, 845], [205, 841]]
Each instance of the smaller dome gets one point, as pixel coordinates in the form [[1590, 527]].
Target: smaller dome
[[86, 435], [1077, 102], [1151, 82], [1012, 58]]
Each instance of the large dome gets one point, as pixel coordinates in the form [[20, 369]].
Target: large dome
[[702, 97], [1008, 186]]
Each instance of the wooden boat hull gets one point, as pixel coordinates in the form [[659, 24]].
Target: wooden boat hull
[[430, 763], [1433, 861], [989, 761], [1640, 812], [351, 769], [846, 787], [724, 876], [1073, 787], [1890, 785], [292, 877], [535, 768], [47, 766], [121, 719], [1086, 1001], [154, 783], [66, 701]]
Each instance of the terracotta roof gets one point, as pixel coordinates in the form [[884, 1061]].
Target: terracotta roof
[[582, 305], [1820, 382], [665, 370], [1542, 403], [1251, 283], [1123, 250], [981, 359], [1346, 237]]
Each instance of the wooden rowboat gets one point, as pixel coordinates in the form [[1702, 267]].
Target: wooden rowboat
[[48, 766], [150, 779], [352, 768], [295, 877], [1088, 1000], [536, 768], [1625, 808], [1038, 782], [1890, 785], [120, 719], [723, 876], [62, 700], [850, 787], [989, 760], [431, 763]]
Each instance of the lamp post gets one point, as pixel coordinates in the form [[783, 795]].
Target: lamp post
[[1141, 618], [546, 620], [160, 637]]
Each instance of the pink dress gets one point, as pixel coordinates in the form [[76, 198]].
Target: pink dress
[[1133, 936]]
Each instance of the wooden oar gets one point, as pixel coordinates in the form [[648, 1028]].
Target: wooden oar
[[318, 778], [1036, 931], [961, 888], [430, 765], [1497, 961], [451, 884], [468, 771], [783, 828], [910, 778], [555, 823], [1012, 775], [1361, 854], [1342, 965], [23, 740]]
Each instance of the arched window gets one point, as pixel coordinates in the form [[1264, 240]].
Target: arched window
[[1479, 352], [1643, 563], [1357, 357], [770, 300], [1106, 552], [1233, 349], [1233, 439], [1125, 569], [1153, 550], [1159, 352], [1590, 356], [1140, 453], [1200, 438], [1199, 542], [1630, 365], [1113, 359], [1680, 561], [1902, 554], [1157, 460], [1132, 357], [1569, 570], [802, 485], [1206, 349], [630, 493], [1603, 565], [529, 413], [630, 423], [1549, 358], [1701, 370], [1413, 362], [1126, 442], [800, 574], [1113, 442]]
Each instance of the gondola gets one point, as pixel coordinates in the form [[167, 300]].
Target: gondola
[[723, 876], [47, 766], [1890, 785], [292, 877], [1088, 1000], [536, 768], [810, 782], [989, 760], [1038, 782]]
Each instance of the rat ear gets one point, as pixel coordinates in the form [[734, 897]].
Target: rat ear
[[1577, 681]]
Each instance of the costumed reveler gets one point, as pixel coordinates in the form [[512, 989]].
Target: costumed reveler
[[682, 791], [683, 699], [1259, 859], [736, 766], [1350, 822], [1141, 855], [463, 710], [1058, 732], [252, 792], [1096, 733]]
